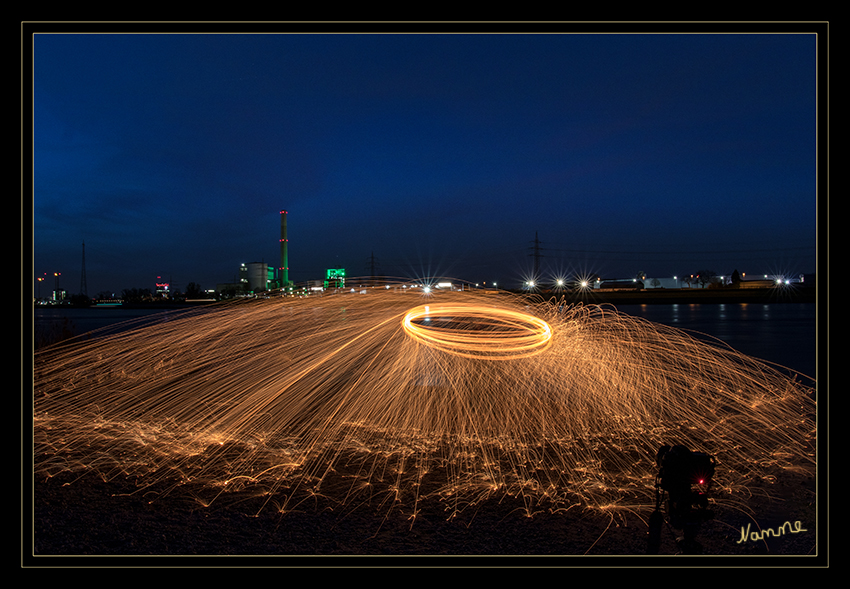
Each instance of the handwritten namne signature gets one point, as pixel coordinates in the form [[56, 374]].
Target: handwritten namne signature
[[781, 530]]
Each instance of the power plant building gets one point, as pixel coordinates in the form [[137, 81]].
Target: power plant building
[[258, 276]]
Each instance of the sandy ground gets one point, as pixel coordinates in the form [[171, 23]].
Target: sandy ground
[[98, 521]]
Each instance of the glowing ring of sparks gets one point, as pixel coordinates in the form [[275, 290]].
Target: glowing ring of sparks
[[478, 332]]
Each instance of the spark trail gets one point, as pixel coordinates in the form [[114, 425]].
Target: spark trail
[[459, 397]]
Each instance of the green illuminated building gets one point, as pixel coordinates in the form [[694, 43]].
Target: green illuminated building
[[335, 278]]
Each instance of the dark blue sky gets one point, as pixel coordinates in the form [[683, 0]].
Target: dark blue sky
[[171, 155]]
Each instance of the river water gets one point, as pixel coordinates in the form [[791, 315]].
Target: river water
[[781, 333]]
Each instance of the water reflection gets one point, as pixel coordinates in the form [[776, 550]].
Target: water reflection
[[781, 333]]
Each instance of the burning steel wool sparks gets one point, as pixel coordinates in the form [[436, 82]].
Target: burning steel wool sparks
[[375, 397], [483, 332]]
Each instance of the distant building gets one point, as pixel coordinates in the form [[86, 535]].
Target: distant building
[[251, 278], [673, 282], [767, 281], [763, 283], [618, 284], [335, 278], [258, 276]]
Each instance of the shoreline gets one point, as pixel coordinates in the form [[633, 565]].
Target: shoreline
[[655, 296]]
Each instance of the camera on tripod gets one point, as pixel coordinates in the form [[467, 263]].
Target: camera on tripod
[[686, 477]]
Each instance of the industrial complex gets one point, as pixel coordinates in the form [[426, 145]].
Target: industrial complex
[[259, 278]]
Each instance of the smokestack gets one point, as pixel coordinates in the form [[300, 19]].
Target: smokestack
[[283, 271]]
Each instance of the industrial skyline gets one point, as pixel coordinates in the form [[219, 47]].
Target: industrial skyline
[[260, 276], [473, 156]]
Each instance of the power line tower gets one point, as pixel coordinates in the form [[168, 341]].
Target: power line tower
[[373, 264], [84, 289], [535, 253]]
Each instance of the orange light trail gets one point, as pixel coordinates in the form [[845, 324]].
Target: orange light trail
[[285, 395], [486, 332]]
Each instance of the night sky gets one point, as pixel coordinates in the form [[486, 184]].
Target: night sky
[[171, 155]]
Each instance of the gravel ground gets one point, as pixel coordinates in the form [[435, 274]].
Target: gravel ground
[[98, 521]]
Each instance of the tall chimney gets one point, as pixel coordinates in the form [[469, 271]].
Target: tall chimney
[[283, 271]]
